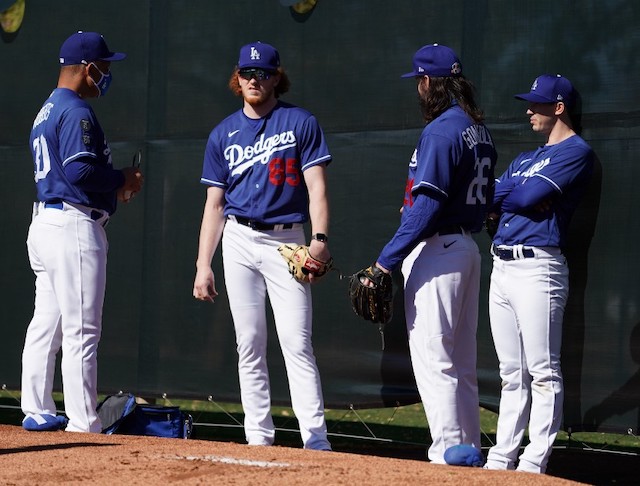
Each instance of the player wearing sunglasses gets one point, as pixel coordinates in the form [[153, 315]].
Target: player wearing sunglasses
[[264, 167]]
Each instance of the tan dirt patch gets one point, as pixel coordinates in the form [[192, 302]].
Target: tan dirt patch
[[61, 457]]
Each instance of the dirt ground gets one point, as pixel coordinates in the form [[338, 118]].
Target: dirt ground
[[37, 458]]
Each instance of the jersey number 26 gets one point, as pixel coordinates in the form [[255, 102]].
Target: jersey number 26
[[478, 187]]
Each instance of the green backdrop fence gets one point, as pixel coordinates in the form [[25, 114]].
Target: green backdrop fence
[[344, 60]]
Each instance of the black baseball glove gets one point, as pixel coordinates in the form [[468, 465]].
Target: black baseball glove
[[374, 303]]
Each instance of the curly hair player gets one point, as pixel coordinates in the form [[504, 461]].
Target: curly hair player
[[265, 170], [449, 185]]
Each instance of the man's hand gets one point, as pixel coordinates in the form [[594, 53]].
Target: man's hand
[[368, 283], [371, 294], [301, 264], [133, 181], [491, 224], [204, 285], [320, 251]]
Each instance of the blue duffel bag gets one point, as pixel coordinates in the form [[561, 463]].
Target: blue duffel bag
[[122, 414]]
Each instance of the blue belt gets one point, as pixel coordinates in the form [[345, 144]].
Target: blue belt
[[94, 215], [507, 253]]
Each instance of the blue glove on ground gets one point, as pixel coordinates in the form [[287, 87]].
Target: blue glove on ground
[[464, 455]]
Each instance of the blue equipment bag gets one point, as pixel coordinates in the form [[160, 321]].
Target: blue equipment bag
[[121, 414]]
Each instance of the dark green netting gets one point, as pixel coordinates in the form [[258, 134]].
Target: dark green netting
[[344, 60]]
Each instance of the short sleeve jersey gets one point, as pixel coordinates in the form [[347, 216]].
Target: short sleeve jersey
[[259, 163], [66, 130], [567, 166], [454, 163]]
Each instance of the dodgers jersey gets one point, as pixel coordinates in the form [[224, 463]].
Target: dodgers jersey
[[454, 163], [66, 130], [567, 166], [260, 163]]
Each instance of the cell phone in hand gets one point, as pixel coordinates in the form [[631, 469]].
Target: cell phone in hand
[[137, 159]]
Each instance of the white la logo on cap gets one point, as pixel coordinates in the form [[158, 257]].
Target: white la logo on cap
[[534, 85], [255, 55]]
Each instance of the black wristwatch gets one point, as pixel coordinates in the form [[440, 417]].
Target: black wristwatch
[[320, 237]]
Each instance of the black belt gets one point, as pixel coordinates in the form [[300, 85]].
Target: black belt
[[94, 215], [507, 253], [450, 230], [259, 226]]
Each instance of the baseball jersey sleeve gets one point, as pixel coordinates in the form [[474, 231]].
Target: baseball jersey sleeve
[[566, 167], [503, 187], [433, 172], [215, 171], [313, 147], [549, 176], [92, 177], [418, 222], [557, 174], [80, 135]]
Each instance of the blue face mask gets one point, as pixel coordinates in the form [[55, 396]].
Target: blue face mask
[[103, 83]]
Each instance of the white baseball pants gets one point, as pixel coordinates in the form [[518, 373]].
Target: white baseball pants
[[442, 285], [253, 269], [68, 254], [527, 298]]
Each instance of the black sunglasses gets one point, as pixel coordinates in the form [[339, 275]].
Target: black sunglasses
[[259, 74]]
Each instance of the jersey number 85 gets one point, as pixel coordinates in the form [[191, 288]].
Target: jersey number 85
[[281, 172]]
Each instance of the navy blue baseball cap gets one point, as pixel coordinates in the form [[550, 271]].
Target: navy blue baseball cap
[[84, 47], [259, 55], [550, 88], [435, 60]]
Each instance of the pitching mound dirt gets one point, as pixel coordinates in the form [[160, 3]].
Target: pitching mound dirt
[[62, 457]]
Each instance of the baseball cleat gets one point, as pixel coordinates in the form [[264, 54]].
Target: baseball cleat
[[44, 422]]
